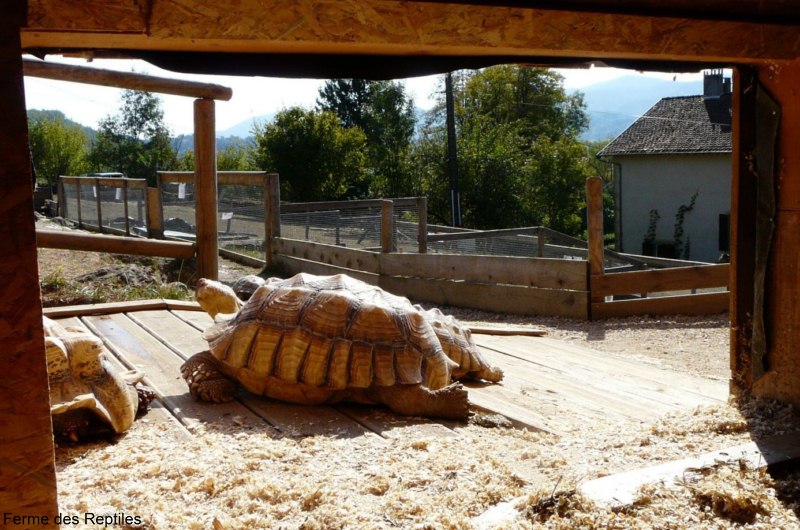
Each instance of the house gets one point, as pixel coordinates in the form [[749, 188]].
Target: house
[[672, 176]]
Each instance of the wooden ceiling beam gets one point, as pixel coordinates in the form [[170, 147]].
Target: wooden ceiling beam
[[129, 80], [388, 27]]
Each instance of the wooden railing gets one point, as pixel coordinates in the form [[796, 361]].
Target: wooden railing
[[631, 292]]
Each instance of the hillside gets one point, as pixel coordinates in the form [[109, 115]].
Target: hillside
[[613, 105]]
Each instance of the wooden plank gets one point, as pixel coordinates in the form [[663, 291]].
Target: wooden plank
[[660, 280], [305, 420], [380, 27], [544, 273], [205, 188], [682, 389], [295, 265], [580, 388], [497, 298], [114, 244], [129, 80], [197, 319], [479, 234], [394, 427], [238, 178], [349, 258], [525, 411], [692, 304], [103, 309], [137, 349], [622, 489], [178, 335], [119, 182], [188, 305], [27, 468], [506, 331]]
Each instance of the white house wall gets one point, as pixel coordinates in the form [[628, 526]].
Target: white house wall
[[664, 183]]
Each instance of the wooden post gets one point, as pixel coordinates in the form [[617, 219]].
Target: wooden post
[[62, 199], [272, 214], [99, 207], [387, 226], [594, 204], [422, 229], [27, 465], [80, 218], [540, 242], [205, 188], [125, 208], [155, 213]]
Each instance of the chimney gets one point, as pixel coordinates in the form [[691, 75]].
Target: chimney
[[714, 84]]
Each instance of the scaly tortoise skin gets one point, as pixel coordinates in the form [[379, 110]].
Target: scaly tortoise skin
[[325, 339], [88, 398]]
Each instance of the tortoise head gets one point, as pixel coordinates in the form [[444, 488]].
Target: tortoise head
[[215, 297]]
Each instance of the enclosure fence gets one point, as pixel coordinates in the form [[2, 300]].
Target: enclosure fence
[[106, 204]]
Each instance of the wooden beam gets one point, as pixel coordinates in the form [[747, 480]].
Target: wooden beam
[[622, 489], [661, 280], [129, 80], [389, 27], [27, 465], [692, 304], [205, 188], [115, 244]]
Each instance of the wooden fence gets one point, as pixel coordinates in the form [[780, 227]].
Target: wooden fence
[[573, 288], [630, 292]]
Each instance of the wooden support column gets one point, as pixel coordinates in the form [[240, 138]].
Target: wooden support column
[[205, 188], [27, 469], [781, 365], [155, 213], [743, 224], [594, 209], [387, 226], [272, 215], [422, 227]]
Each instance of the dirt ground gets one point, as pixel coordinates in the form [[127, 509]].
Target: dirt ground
[[258, 478]]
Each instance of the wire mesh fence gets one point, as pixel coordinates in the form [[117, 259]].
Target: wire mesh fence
[[353, 224], [112, 204]]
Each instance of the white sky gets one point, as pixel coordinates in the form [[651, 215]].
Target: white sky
[[252, 96]]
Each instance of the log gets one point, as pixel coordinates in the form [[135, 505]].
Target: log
[[129, 80], [205, 189], [114, 244]]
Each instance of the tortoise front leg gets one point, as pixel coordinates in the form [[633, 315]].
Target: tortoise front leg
[[449, 402], [206, 380]]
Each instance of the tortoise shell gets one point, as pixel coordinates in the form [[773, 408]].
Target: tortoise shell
[[330, 332], [83, 382]]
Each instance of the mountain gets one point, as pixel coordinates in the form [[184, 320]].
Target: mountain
[[244, 128], [613, 105], [46, 114]]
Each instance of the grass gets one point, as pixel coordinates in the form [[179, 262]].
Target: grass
[[57, 290]]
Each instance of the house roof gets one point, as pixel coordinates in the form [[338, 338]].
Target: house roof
[[687, 124]]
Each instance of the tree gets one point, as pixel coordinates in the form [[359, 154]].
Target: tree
[[136, 141], [57, 148], [385, 114], [316, 157], [520, 163]]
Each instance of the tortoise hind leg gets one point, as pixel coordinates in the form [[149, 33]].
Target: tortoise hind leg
[[206, 380], [449, 402]]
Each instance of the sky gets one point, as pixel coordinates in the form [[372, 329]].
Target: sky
[[252, 96]]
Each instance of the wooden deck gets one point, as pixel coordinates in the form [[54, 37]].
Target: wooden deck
[[549, 385]]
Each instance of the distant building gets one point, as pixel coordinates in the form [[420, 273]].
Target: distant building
[[679, 149]]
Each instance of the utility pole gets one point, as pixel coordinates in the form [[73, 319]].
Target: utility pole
[[452, 155]]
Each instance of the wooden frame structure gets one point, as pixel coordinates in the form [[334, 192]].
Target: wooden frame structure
[[758, 38]]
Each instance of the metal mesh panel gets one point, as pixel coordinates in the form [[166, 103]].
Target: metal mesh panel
[[177, 202], [88, 194], [353, 226], [241, 218], [137, 211], [69, 207]]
